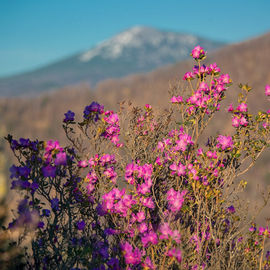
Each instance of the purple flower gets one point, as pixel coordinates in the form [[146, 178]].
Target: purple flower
[[23, 206], [231, 209], [93, 110], [14, 173], [24, 171], [34, 186], [69, 116], [24, 142], [14, 144], [55, 204], [20, 184], [61, 159], [46, 212], [41, 225], [114, 263], [49, 171], [80, 225]]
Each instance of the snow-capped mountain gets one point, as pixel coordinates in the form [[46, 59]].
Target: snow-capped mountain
[[138, 49]]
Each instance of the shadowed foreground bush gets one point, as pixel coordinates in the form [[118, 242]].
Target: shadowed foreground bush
[[138, 190]]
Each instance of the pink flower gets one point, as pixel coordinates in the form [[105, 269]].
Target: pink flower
[[220, 88], [142, 227], [140, 216], [267, 90], [177, 99], [175, 253], [243, 121], [198, 52], [148, 264], [225, 78], [213, 68], [61, 159], [165, 231], [188, 76], [242, 107], [131, 257], [180, 169], [148, 202], [111, 174], [200, 152], [149, 237], [224, 142], [203, 86], [230, 109], [175, 199], [82, 164], [235, 122]]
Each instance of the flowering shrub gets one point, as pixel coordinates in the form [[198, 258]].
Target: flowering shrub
[[139, 190]]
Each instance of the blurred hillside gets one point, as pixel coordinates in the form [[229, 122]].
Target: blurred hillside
[[247, 62]]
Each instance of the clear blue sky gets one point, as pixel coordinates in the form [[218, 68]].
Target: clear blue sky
[[36, 32]]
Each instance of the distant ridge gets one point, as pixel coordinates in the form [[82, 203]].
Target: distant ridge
[[136, 50]]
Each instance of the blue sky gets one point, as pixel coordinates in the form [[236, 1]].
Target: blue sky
[[36, 32]]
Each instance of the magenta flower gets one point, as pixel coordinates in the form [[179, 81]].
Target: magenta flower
[[224, 142], [142, 227], [213, 68], [198, 53], [225, 78], [230, 109], [175, 199], [148, 202], [140, 216], [177, 99], [131, 257], [235, 122], [188, 76], [267, 90], [82, 164], [149, 237], [175, 253], [165, 231], [180, 169], [242, 107], [243, 121], [148, 264], [61, 159]]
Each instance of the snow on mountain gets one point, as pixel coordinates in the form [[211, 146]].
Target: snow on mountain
[[136, 38]]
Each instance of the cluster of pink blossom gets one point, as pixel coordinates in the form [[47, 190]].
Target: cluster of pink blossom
[[175, 199], [224, 142], [117, 201], [198, 53], [203, 70], [105, 163], [208, 95], [112, 129], [240, 115]]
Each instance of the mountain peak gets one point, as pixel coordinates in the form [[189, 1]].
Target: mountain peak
[[137, 37], [135, 50]]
